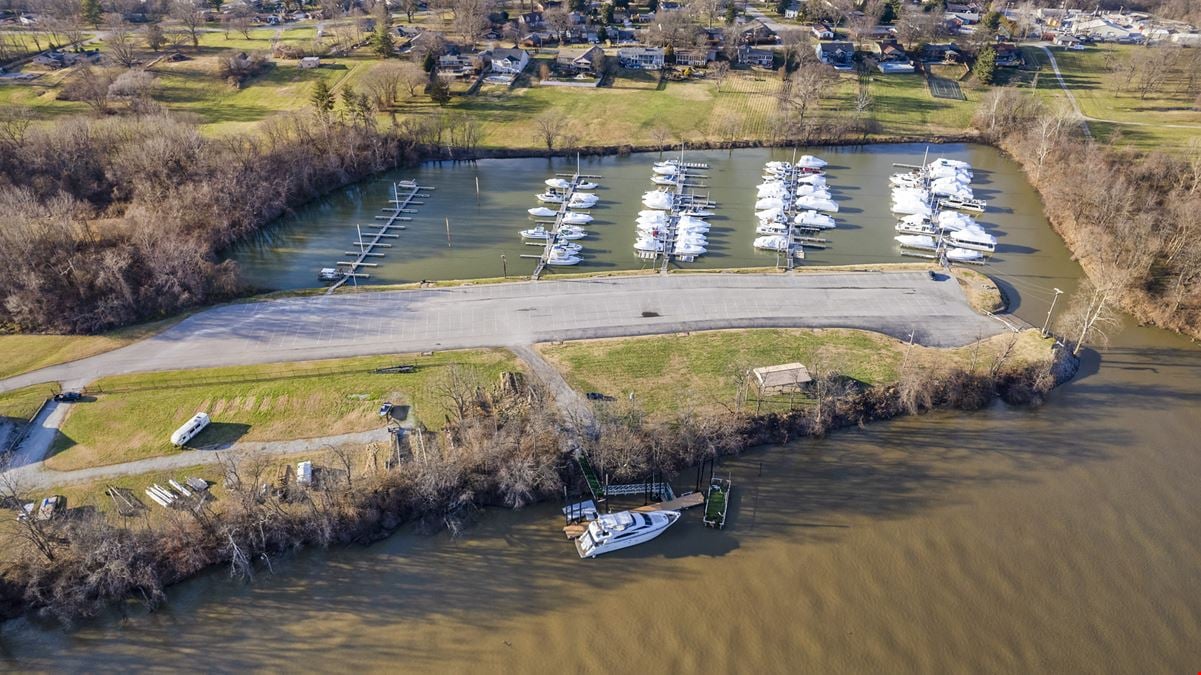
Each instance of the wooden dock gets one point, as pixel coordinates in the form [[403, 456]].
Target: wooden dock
[[575, 179], [369, 241]]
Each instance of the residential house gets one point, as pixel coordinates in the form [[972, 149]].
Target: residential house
[[941, 53], [581, 60], [838, 54], [644, 58], [1008, 55], [792, 11], [458, 65], [892, 58], [752, 56], [533, 20], [821, 31], [508, 61], [696, 58], [757, 33]]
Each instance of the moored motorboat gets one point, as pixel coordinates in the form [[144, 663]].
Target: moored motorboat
[[771, 242], [917, 241], [559, 183], [541, 212], [549, 198], [615, 531], [573, 218]]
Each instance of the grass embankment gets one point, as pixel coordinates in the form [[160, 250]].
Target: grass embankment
[[24, 353], [701, 371], [21, 404], [134, 415], [982, 293]]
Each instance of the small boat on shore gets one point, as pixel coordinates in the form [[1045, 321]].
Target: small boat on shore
[[615, 531]]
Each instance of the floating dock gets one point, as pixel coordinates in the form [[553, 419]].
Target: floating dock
[[368, 242]]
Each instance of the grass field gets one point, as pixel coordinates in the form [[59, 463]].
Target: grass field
[[21, 404], [134, 415], [23, 353], [700, 371]]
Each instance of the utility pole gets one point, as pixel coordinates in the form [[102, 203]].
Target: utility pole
[[504, 265], [1052, 309]]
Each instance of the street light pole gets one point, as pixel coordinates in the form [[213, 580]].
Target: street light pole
[[1052, 309], [504, 265]]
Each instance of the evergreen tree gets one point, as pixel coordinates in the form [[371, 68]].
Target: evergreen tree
[[731, 13], [430, 63], [322, 99], [439, 91], [986, 66], [782, 6], [602, 35], [381, 40], [92, 12]]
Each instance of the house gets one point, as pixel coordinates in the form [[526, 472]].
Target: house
[[308, 62], [941, 53], [892, 58], [644, 58], [821, 31], [697, 58], [786, 377], [837, 54], [581, 59], [54, 59], [509, 61], [751, 56], [1008, 55], [458, 65], [533, 20], [792, 11], [757, 33], [1102, 29]]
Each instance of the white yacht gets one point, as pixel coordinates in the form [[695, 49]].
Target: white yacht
[[769, 214], [973, 238], [813, 191], [917, 224], [814, 220], [698, 213], [560, 183], [772, 242], [917, 241], [541, 212], [536, 233], [812, 179], [550, 198], [771, 228], [664, 180], [571, 232], [560, 256], [615, 531], [953, 220], [964, 255], [976, 205], [688, 248], [666, 169], [661, 201], [648, 244], [769, 203], [573, 218], [584, 185], [816, 203], [811, 162]]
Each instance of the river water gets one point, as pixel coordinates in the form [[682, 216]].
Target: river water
[[1064, 539]]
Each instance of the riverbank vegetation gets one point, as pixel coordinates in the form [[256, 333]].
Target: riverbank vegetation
[[131, 417], [1131, 218], [502, 445]]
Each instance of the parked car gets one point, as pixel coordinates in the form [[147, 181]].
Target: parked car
[[67, 396], [597, 396]]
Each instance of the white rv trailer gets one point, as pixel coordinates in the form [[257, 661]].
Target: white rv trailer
[[189, 430]]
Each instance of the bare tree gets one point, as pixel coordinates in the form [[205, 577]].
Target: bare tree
[[190, 15], [90, 85], [121, 41], [719, 71], [383, 81], [549, 126], [1089, 317], [863, 24]]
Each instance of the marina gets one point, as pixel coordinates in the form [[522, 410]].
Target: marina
[[929, 199], [557, 236], [671, 226], [792, 205], [401, 204]]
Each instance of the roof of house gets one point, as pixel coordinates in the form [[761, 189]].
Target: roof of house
[[832, 47], [783, 375], [503, 53]]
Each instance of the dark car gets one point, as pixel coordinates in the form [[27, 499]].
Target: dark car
[[67, 396], [597, 396]]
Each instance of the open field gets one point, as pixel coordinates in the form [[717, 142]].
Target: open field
[[701, 371], [23, 353], [133, 415]]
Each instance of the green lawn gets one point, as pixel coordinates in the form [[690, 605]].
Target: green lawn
[[21, 404], [699, 371], [133, 415], [23, 353]]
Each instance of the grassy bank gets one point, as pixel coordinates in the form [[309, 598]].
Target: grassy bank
[[21, 404], [704, 371], [133, 415], [25, 353]]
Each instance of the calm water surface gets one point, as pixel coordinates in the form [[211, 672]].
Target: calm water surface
[[1065, 539]]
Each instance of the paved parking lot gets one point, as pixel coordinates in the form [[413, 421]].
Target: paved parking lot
[[292, 329]]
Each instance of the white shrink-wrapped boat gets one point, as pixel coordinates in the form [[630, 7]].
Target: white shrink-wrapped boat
[[771, 242], [815, 220], [573, 218], [541, 212], [817, 203], [917, 241]]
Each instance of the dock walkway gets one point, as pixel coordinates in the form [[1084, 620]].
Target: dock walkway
[[393, 216]]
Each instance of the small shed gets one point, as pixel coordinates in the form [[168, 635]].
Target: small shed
[[783, 378], [310, 62]]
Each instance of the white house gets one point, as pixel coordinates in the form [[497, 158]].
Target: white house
[[310, 62], [646, 58], [509, 61]]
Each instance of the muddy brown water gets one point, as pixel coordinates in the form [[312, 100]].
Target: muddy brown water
[[1064, 539]]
